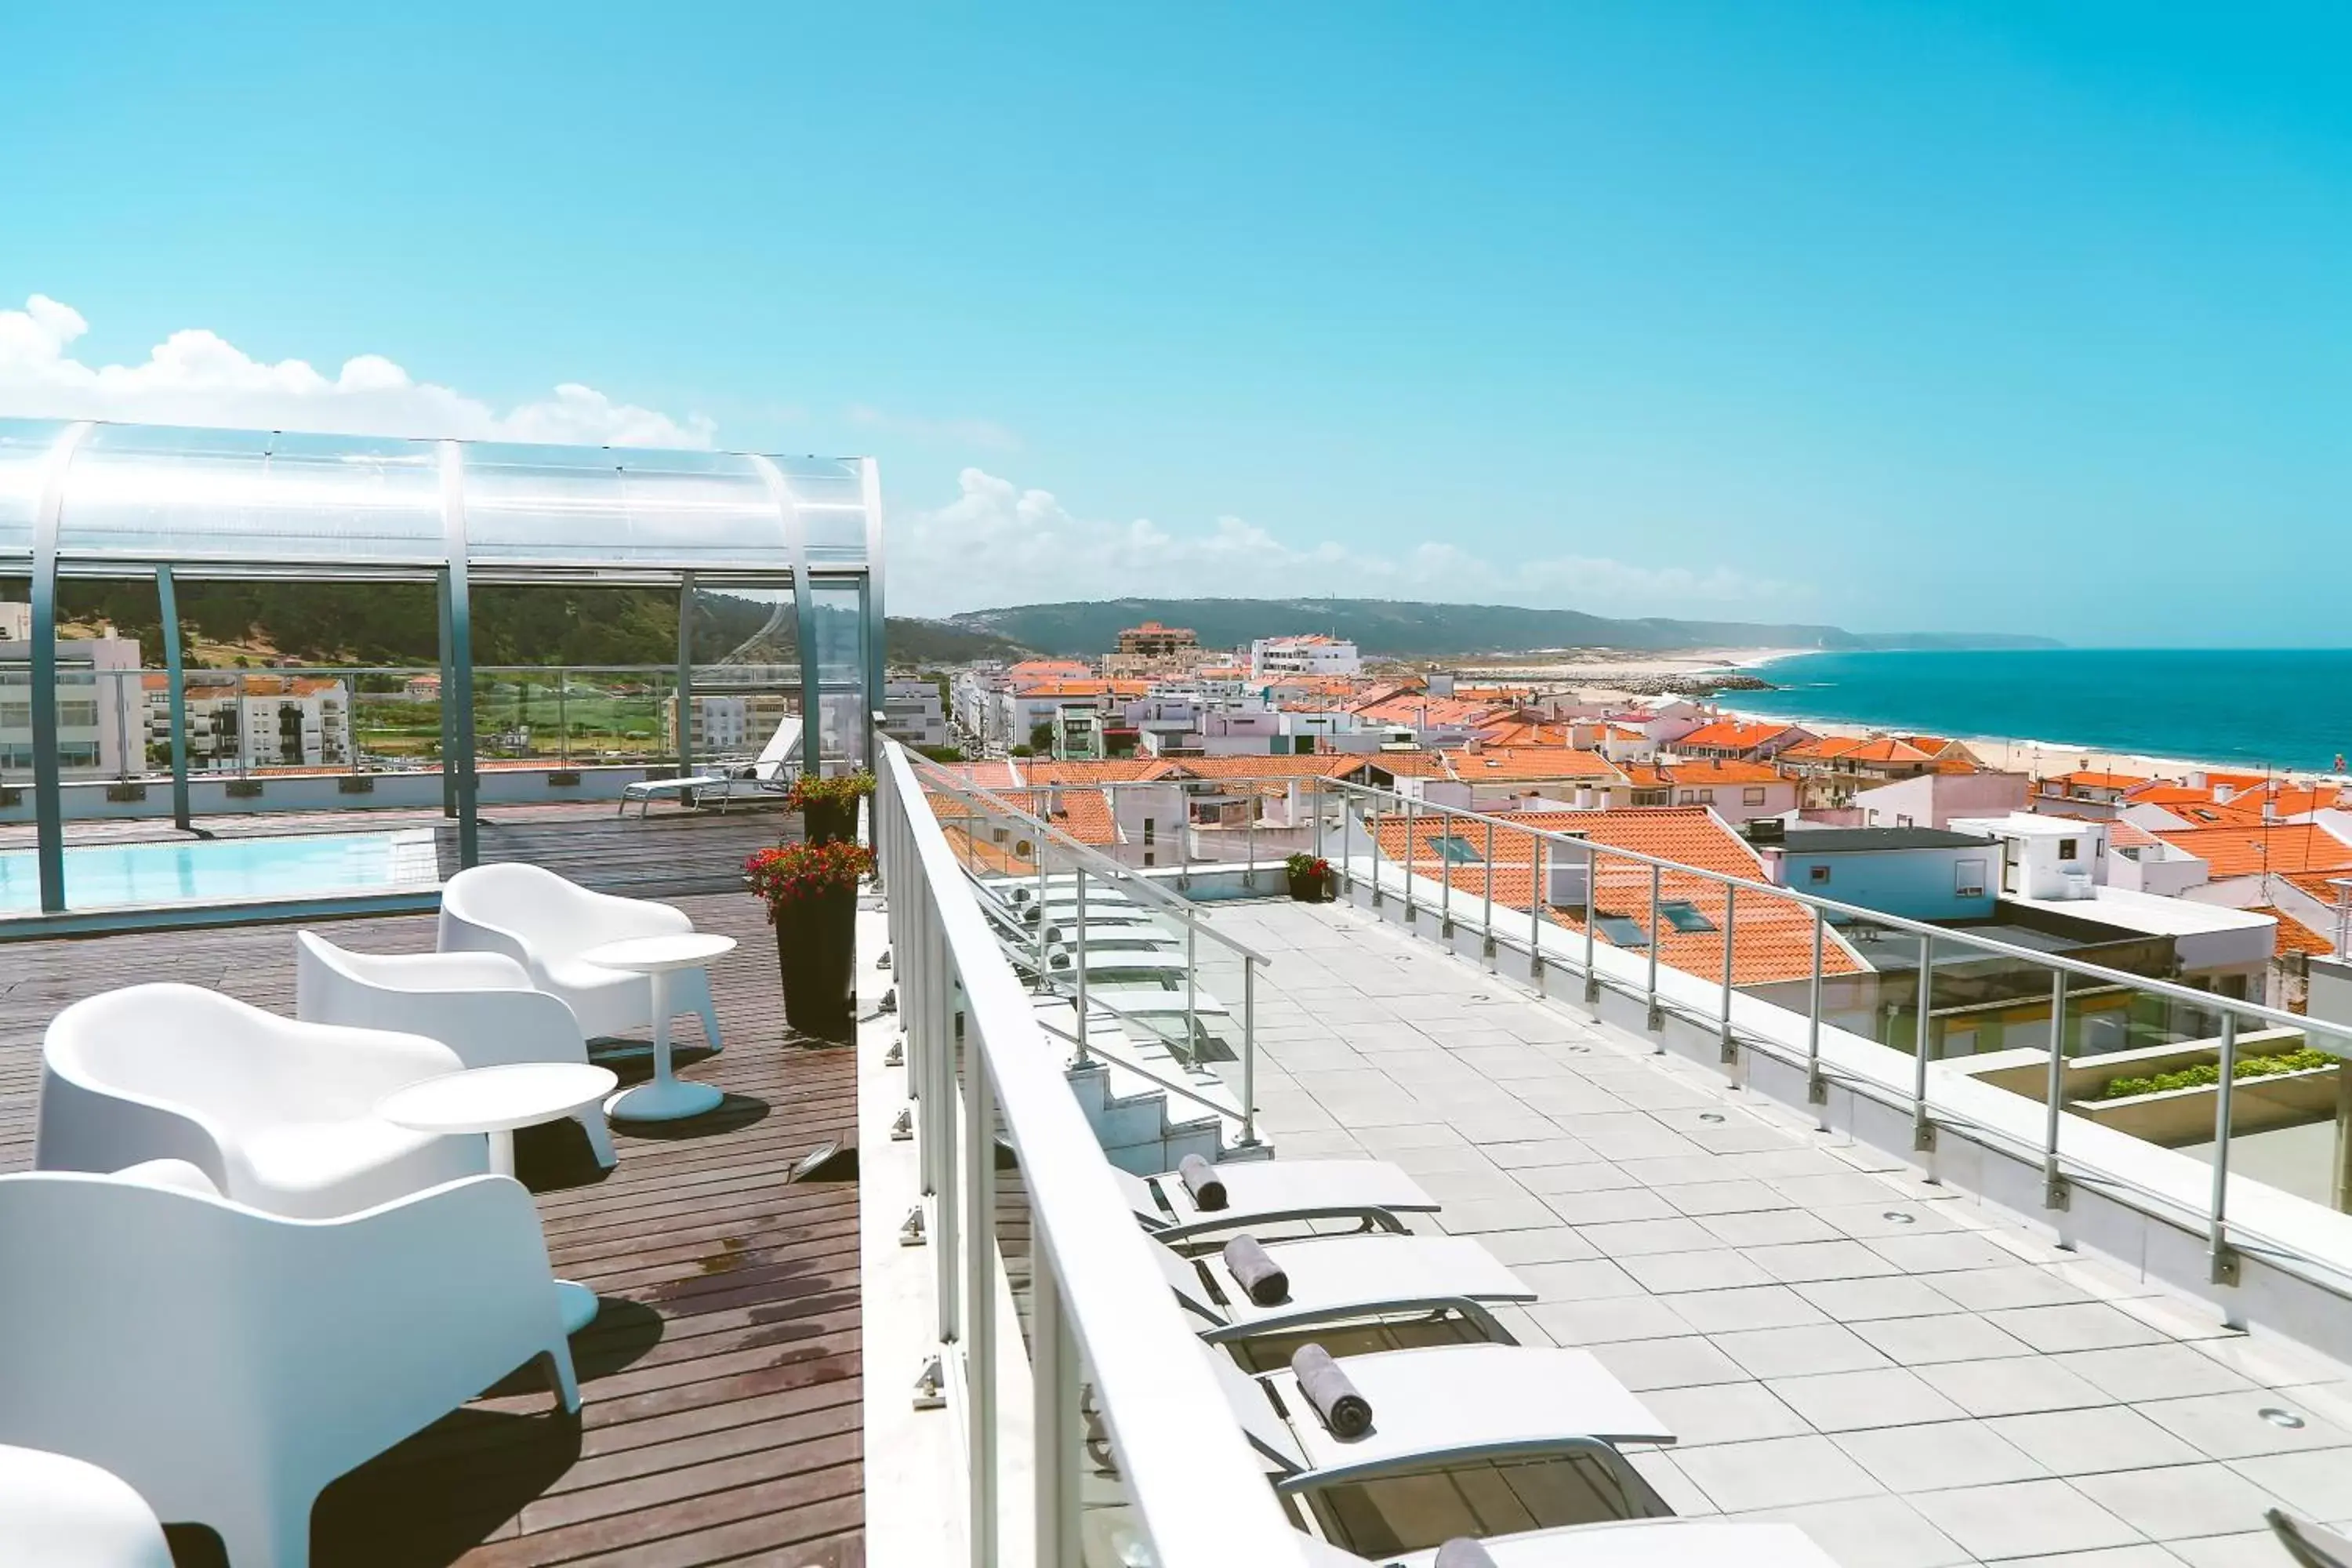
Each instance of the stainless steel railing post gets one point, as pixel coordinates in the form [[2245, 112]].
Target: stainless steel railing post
[[1923, 1128], [1444, 880], [2222, 1257], [1817, 1089], [1249, 847], [2054, 1192], [1487, 909], [1249, 1052], [1373, 829], [1592, 925], [1655, 1018], [1729, 1053], [1412, 860], [1085, 1033], [1535, 906]]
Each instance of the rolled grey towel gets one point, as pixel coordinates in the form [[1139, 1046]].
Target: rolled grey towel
[[1200, 1180], [1464, 1552], [1259, 1274], [1347, 1413]]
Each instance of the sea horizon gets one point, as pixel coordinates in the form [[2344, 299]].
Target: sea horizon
[[2288, 709]]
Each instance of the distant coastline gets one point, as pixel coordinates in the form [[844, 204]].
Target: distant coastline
[[2162, 713]]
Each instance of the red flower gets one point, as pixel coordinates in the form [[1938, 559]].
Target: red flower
[[793, 872]]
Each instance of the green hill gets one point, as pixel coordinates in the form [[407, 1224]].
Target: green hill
[[1407, 629]]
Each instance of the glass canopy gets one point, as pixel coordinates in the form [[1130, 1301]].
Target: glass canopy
[[103, 501]]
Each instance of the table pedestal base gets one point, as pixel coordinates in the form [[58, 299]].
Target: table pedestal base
[[664, 1100], [578, 1303]]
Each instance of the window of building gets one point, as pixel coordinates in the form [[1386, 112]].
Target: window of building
[[1649, 797], [1683, 915], [1752, 796], [1456, 850], [1150, 830], [1817, 875], [1622, 929], [1150, 858], [1969, 879], [2067, 849], [1704, 796]]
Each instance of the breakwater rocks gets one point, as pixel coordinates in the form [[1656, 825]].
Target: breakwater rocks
[[1703, 684]]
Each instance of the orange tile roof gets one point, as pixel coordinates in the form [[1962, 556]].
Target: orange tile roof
[[1723, 771], [1773, 938], [2293, 936], [1931, 744], [2249, 852], [1430, 712], [1886, 749], [1492, 762], [1733, 735], [1094, 769], [2236, 781]]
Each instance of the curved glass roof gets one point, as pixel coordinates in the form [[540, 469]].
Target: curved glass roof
[[140, 495]]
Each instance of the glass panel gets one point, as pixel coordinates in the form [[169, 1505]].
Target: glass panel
[[747, 686], [593, 506], [157, 492], [839, 610], [830, 494], [25, 447]]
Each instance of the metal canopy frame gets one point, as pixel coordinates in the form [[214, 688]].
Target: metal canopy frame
[[300, 506]]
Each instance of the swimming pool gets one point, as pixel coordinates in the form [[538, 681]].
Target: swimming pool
[[227, 871]]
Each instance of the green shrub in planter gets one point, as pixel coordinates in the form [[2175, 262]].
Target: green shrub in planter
[[355, 784], [245, 789], [1310, 878], [811, 892]]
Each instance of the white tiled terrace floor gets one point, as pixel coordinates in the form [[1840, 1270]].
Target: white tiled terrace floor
[[1914, 1378]]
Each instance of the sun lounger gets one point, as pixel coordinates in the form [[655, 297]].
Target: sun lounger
[[1261, 1193], [1621, 1543], [1337, 1279], [771, 771], [1443, 1405]]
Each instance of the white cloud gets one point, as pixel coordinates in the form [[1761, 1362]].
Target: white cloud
[[998, 544], [198, 377]]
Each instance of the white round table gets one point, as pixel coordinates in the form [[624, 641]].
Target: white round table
[[497, 1100], [666, 1097]]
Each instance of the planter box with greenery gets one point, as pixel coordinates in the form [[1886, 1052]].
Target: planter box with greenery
[[828, 806], [811, 892], [11, 796], [355, 784], [1310, 878], [561, 779], [126, 791], [245, 789]]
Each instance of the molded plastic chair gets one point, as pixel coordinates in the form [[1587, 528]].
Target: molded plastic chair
[[481, 1005], [67, 1513], [1260, 1193], [544, 922], [1349, 1279], [1447, 1404], [277, 1114], [229, 1363]]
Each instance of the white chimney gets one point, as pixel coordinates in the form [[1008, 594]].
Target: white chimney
[[1564, 879]]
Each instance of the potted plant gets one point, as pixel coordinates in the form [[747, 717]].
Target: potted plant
[[828, 806], [1310, 878], [811, 892]]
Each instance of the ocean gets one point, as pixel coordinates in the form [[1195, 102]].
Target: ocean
[[2284, 708]]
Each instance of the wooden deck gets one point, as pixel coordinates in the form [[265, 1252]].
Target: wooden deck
[[723, 1413]]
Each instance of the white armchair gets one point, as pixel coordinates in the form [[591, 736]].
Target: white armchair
[[277, 1114], [544, 922], [229, 1363], [480, 1005], [66, 1513]]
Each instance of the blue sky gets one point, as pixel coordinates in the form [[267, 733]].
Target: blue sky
[[2004, 317]]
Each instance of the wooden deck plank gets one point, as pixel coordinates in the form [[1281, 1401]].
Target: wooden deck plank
[[723, 1382]]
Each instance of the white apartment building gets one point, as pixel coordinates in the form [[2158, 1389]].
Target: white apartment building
[[1314, 654], [238, 722], [98, 726], [912, 713]]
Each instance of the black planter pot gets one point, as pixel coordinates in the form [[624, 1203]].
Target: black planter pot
[[817, 942], [1309, 889], [830, 823]]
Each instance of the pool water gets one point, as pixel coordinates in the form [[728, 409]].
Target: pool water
[[227, 871]]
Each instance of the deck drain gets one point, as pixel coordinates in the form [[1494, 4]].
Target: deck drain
[[1710, 1116], [1896, 1216], [2277, 1417]]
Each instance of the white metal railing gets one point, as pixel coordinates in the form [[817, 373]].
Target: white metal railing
[[1366, 807], [976, 1058], [1059, 860]]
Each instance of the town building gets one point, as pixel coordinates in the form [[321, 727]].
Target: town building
[[101, 730], [1153, 640], [912, 712], [1314, 654]]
